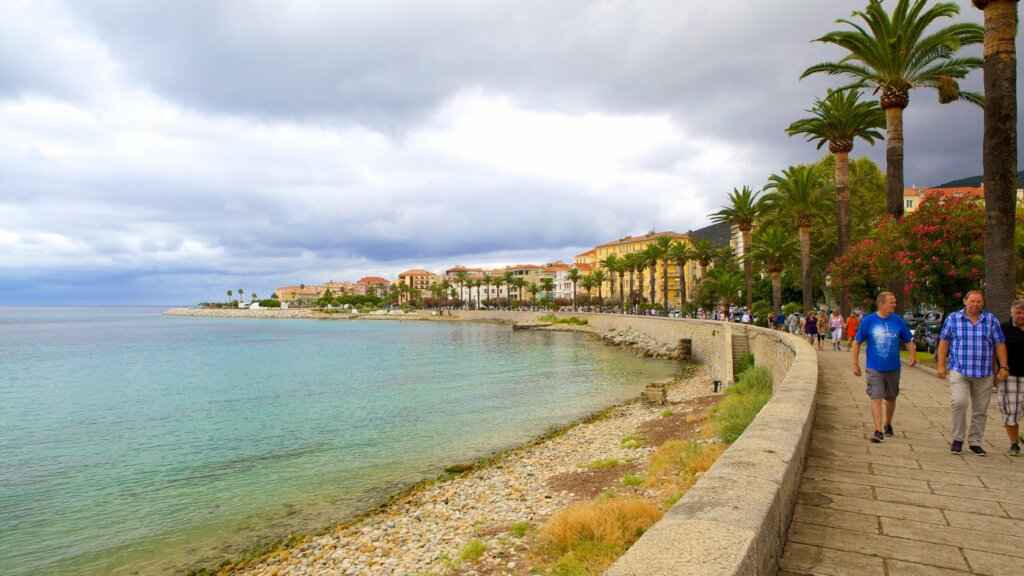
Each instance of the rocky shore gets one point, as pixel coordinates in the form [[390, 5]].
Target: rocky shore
[[494, 507]]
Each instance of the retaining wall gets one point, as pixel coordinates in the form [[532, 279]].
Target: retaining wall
[[734, 519]]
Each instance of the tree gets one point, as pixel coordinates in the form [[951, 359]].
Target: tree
[[703, 253], [664, 243], [892, 54], [839, 120], [508, 279], [938, 249], [680, 253], [742, 211], [520, 284], [630, 264], [773, 247], [488, 281], [610, 264], [1000, 151], [796, 195], [499, 281], [724, 283], [598, 276], [230, 294], [652, 254], [548, 285], [241, 294], [533, 289], [461, 277], [588, 284], [574, 277]]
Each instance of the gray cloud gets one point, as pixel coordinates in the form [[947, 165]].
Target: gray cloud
[[269, 141]]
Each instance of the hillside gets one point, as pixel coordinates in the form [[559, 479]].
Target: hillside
[[974, 181]]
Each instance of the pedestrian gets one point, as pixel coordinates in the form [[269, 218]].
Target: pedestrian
[[746, 317], [780, 320], [822, 328], [883, 331], [852, 323], [811, 327], [836, 324], [793, 323], [1010, 394], [966, 344]]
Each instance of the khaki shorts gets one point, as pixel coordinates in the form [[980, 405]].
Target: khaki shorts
[[883, 385]]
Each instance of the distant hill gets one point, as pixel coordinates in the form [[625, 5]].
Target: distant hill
[[975, 181]]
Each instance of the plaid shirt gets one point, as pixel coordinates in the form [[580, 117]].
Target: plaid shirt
[[971, 345]]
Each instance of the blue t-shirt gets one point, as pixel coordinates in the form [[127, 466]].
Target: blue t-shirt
[[883, 336]]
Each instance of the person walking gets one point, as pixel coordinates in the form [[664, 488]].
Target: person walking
[[883, 331], [964, 357], [836, 324], [852, 323], [822, 329], [1010, 392], [811, 327]]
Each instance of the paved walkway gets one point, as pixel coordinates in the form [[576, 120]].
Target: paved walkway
[[906, 507]]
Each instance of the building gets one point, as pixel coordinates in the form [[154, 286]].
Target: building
[[372, 286], [597, 256], [419, 283], [913, 196], [301, 295]]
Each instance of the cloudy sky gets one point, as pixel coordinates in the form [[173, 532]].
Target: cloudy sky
[[163, 152]]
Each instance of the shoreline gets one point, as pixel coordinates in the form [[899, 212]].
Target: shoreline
[[423, 527]]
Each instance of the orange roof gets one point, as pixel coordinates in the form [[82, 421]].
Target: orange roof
[[629, 239], [415, 272], [584, 267], [523, 267], [557, 267], [373, 280]]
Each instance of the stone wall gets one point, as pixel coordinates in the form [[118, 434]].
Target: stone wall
[[734, 519]]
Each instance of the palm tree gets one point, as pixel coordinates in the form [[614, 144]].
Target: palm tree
[[574, 277], [548, 285], [598, 277], [726, 283], [680, 253], [773, 247], [743, 209], [610, 263], [230, 294], [620, 268], [796, 195], [520, 284], [477, 284], [704, 253], [488, 281], [892, 54], [461, 277], [588, 283], [532, 288], [652, 255], [508, 278], [241, 294], [663, 244], [1000, 151], [840, 119]]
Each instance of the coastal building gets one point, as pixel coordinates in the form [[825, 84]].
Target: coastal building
[[301, 295], [372, 286], [418, 282], [597, 257], [559, 273]]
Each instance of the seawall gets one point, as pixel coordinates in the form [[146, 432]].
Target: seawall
[[734, 520]]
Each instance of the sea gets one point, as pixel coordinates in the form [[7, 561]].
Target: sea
[[137, 443]]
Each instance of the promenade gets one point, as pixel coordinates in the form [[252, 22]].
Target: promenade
[[906, 507]]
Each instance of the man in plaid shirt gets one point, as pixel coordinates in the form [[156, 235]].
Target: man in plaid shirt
[[969, 338]]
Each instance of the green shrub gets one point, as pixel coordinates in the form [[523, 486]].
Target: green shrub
[[519, 529], [632, 480], [573, 320], [633, 441], [604, 464], [791, 308], [473, 551], [742, 403], [270, 303], [745, 363]]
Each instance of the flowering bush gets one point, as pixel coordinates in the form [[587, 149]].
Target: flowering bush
[[937, 251]]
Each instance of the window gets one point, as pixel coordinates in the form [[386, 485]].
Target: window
[[910, 204]]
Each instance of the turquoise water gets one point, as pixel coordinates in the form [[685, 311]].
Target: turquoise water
[[134, 443]]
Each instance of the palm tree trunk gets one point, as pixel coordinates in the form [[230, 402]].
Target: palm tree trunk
[[631, 272], [894, 179], [805, 267], [843, 218], [748, 269], [640, 282], [622, 297], [894, 161], [654, 272], [776, 291], [1000, 153], [664, 283], [574, 296], [682, 286]]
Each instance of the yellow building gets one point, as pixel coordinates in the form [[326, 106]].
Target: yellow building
[[419, 283]]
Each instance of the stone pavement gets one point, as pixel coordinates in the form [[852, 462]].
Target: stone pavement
[[906, 507]]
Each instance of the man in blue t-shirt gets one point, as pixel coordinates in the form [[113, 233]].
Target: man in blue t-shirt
[[884, 331]]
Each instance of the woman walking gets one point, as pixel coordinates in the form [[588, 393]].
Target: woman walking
[[811, 327], [852, 324], [836, 324], [822, 329]]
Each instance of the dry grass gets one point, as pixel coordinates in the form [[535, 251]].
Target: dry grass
[[677, 464], [587, 537]]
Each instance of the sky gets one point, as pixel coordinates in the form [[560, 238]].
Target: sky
[[165, 152]]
